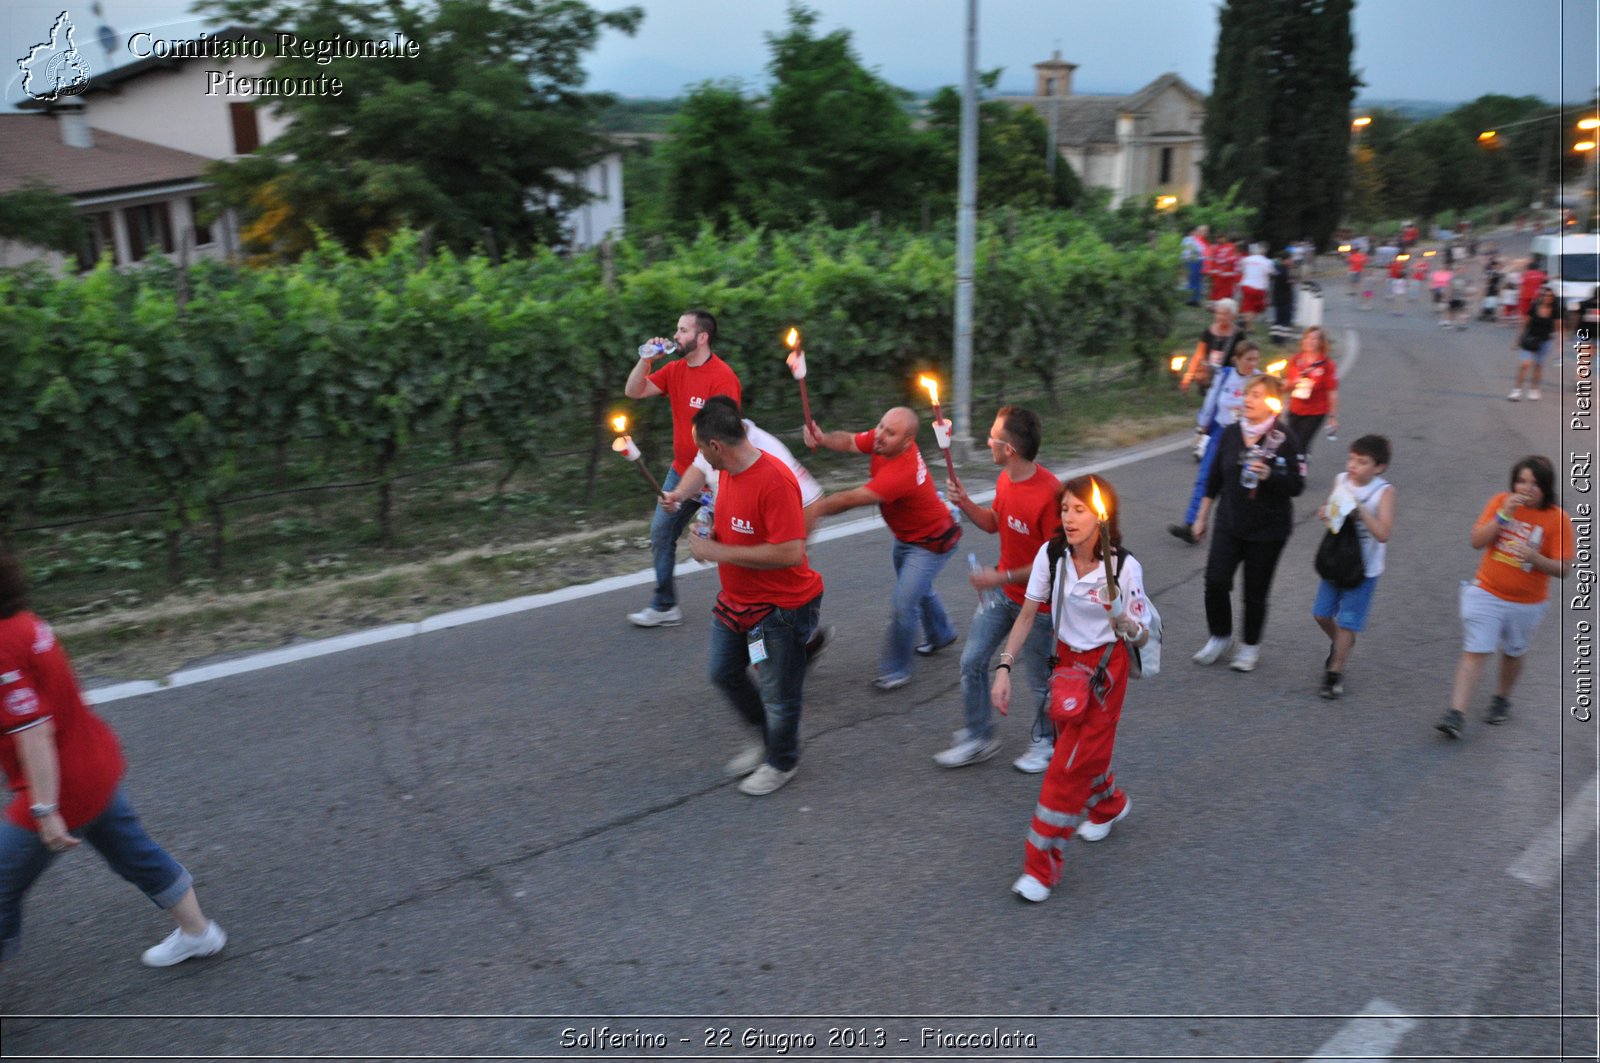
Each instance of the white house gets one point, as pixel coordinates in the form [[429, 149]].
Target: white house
[[199, 107], [1146, 144]]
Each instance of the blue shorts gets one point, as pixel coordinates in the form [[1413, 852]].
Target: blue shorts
[[1536, 357], [1492, 623], [1347, 607]]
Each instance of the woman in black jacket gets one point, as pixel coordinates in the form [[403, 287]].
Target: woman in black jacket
[[1260, 466]]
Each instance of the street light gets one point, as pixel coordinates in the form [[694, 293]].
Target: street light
[[1589, 123]]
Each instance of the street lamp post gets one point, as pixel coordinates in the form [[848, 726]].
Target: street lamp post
[[966, 233]]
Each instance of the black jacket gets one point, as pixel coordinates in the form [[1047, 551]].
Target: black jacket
[[1265, 513]]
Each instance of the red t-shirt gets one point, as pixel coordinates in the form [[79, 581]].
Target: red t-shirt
[[37, 684], [1532, 281], [1030, 515], [1357, 261], [1310, 384], [911, 505], [687, 388], [1397, 270], [762, 505]]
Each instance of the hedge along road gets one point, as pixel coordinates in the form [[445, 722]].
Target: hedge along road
[[523, 820]]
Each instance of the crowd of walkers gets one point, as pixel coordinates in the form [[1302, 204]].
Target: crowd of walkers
[[1065, 600]]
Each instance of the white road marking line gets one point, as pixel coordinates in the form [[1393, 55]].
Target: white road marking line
[[1352, 342], [1373, 1035], [494, 610], [1540, 862]]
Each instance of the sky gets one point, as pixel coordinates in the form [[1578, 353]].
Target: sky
[[1439, 50]]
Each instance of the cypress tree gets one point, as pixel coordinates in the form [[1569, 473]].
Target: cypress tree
[[1278, 124]]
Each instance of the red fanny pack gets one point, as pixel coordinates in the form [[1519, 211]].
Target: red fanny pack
[[1074, 686]]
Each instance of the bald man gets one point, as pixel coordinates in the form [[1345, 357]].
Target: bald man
[[925, 534]]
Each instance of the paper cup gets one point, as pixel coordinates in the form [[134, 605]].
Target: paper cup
[[941, 432]]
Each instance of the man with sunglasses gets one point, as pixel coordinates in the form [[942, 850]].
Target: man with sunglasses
[[1025, 514]]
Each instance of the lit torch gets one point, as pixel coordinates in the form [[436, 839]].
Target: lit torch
[[1277, 368], [797, 367], [1104, 518], [625, 446], [1274, 405], [941, 427]]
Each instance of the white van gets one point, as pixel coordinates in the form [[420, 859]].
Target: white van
[[1573, 263]]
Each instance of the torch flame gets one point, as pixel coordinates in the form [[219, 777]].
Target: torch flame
[[620, 422], [792, 339], [1278, 367], [1094, 500], [1177, 362], [932, 385], [1274, 405]]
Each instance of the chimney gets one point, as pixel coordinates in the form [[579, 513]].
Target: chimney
[[73, 120], [1053, 77]]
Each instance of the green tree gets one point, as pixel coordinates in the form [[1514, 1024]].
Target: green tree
[[1278, 123], [468, 140], [42, 217], [718, 161], [1013, 154]]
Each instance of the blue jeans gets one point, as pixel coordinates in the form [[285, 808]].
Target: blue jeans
[[774, 705], [121, 841], [1199, 491], [915, 601], [1194, 282], [665, 531], [990, 626]]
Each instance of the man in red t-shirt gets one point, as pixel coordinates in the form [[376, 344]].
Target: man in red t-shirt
[[770, 600], [925, 534], [1026, 512], [1533, 279], [64, 768], [687, 383]]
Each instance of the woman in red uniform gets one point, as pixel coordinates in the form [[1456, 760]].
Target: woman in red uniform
[[64, 768], [1313, 383], [1079, 794]]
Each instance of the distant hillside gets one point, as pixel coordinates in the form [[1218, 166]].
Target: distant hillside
[[1413, 110]]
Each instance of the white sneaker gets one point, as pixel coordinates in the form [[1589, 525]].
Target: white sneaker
[[1030, 889], [967, 751], [648, 617], [1245, 658], [748, 760], [1516, 393], [766, 780], [179, 946], [1213, 650], [1533, 394], [1096, 832], [1036, 758]]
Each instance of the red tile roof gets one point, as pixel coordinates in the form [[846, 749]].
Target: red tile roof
[[31, 150]]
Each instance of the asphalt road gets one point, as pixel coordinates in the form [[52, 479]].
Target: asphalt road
[[468, 842]]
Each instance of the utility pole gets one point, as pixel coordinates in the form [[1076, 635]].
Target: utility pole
[[966, 235]]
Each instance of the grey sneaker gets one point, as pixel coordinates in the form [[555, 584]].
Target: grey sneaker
[[1451, 724], [179, 946], [766, 780], [748, 760], [967, 751], [650, 617], [1499, 711], [1036, 758], [891, 682]]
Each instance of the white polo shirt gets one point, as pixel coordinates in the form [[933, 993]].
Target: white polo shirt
[[1085, 621], [810, 490]]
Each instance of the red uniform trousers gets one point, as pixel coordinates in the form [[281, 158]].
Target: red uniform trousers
[[1078, 784]]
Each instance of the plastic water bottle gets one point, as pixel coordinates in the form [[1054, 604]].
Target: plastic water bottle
[[1535, 538], [704, 516], [989, 596], [652, 349], [1333, 434], [1248, 476]]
